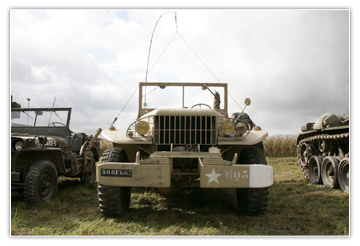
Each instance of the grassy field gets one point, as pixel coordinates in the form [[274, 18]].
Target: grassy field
[[295, 208]]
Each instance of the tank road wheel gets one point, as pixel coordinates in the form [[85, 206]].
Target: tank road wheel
[[303, 159], [329, 172], [314, 168], [252, 201], [114, 200], [41, 182], [343, 174], [305, 153], [325, 146]]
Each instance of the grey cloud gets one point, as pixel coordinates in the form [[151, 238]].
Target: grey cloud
[[293, 64]]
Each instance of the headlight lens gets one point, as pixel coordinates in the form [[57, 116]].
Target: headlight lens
[[142, 127], [19, 145], [241, 128], [227, 128]]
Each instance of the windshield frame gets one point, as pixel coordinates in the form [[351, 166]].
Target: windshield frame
[[142, 86], [42, 109]]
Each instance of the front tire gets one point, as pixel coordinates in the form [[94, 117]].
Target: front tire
[[41, 182], [252, 201], [113, 200]]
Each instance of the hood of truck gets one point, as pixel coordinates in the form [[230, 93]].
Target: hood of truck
[[183, 111]]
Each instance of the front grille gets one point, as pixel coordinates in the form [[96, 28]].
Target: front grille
[[182, 130]]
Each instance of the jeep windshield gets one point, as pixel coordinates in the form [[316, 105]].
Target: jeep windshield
[[40, 117], [181, 95]]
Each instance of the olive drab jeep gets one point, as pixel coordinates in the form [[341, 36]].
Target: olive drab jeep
[[43, 147], [184, 142]]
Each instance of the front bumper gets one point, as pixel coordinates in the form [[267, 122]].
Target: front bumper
[[157, 170]]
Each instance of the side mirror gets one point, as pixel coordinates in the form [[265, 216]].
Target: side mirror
[[247, 101]]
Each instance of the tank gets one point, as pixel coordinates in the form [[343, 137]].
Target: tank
[[323, 151]]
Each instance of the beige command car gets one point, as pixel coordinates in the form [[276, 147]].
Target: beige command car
[[180, 141]]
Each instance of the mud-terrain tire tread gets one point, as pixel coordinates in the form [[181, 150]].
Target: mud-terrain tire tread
[[114, 200], [252, 201], [32, 179], [115, 154]]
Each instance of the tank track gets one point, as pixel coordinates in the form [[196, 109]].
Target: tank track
[[330, 144], [340, 136]]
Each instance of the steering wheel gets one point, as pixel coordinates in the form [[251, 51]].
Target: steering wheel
[[199, 104], [53, 123]]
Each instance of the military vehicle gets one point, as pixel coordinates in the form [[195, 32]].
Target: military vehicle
[[185, 144], [43, 147], [323, 151]]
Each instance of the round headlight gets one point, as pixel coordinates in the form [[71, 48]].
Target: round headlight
[[241, 128], [19, 145], [142, 127], [227, 128]]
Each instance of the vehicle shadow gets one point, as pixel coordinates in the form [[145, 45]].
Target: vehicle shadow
[[191, 205]]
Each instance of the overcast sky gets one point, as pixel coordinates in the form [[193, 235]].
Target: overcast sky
[[293, 64]]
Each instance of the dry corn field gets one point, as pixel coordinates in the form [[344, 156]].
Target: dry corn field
[[280, 146]]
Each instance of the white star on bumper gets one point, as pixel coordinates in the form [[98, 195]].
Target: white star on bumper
[[213, 176]]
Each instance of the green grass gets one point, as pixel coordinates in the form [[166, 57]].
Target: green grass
[[295, 208]]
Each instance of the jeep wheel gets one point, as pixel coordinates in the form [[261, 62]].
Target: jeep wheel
[[114, 200], [41, 182], [252, 201], [88, 177]]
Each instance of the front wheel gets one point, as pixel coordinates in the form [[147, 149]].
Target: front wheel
[[252, 201], [41, 182], [114, 200]]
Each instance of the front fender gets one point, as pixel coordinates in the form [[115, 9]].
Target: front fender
[[28, 156], [253, 138], [119, 137]]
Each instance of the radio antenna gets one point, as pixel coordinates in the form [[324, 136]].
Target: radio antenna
[[152, 36]]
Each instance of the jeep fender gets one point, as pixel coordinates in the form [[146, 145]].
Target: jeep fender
[[27, 157]]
